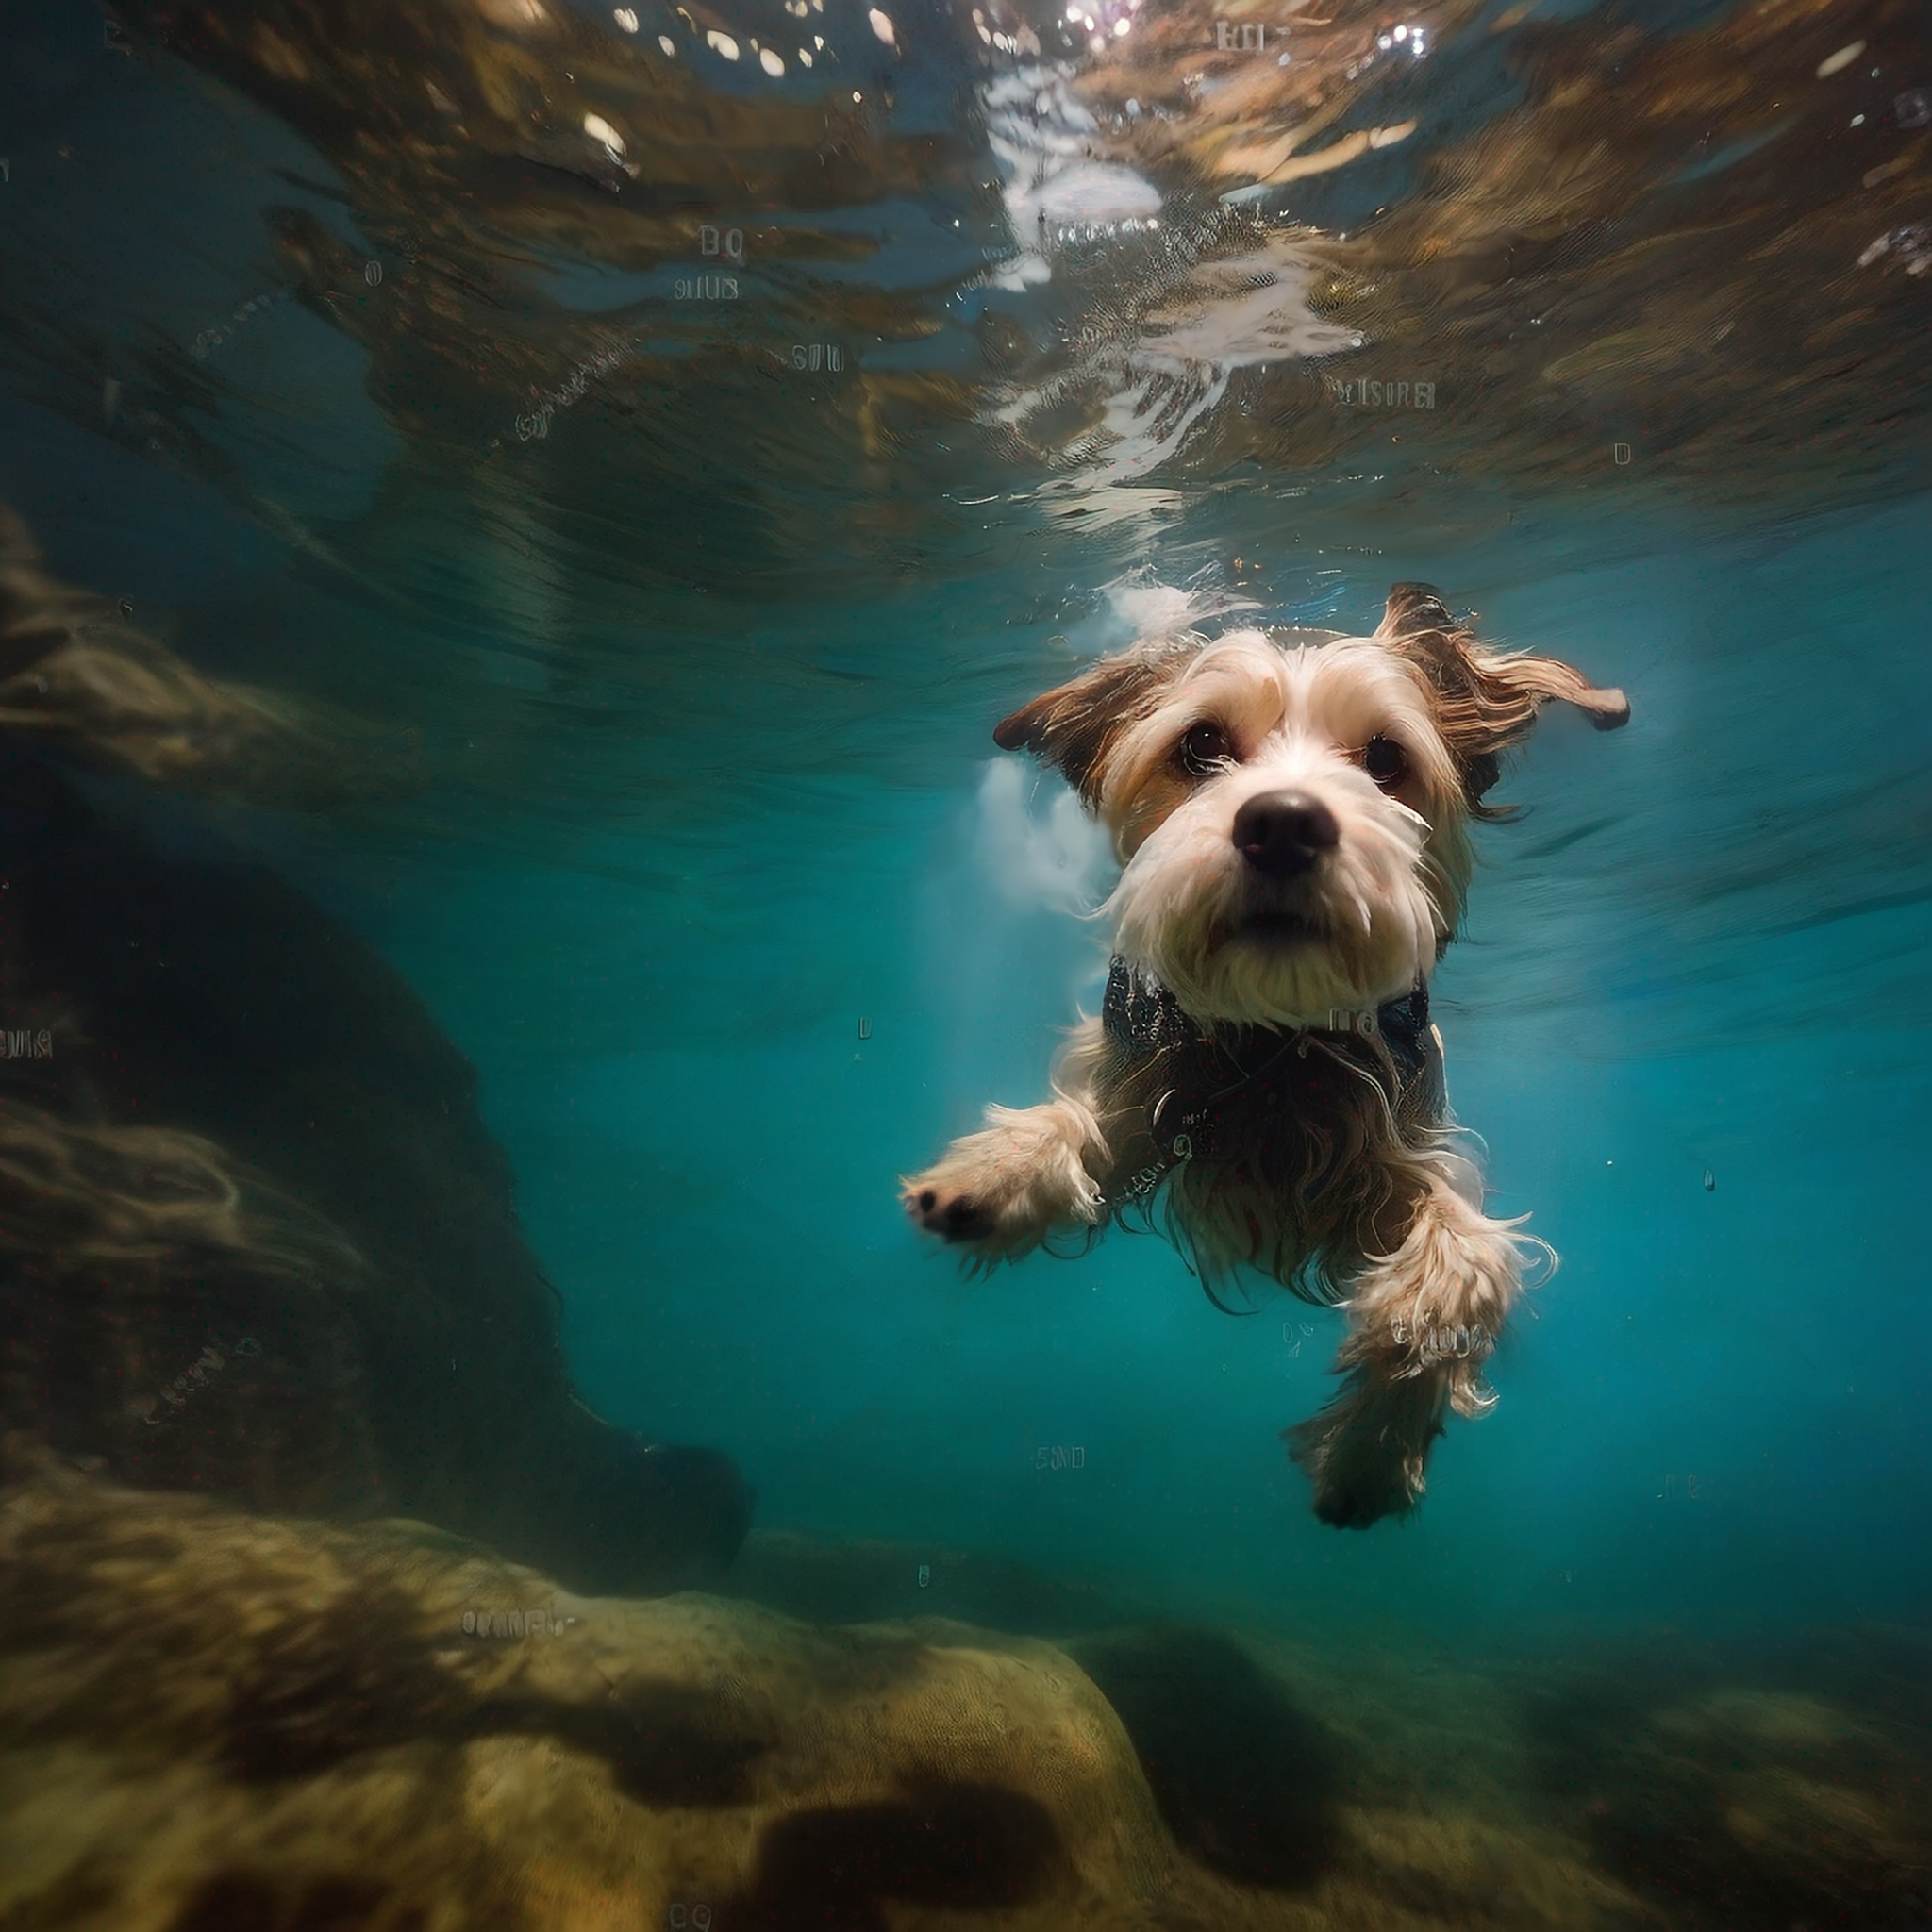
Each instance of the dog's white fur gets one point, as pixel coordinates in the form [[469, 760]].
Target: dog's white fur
[[1428, 1280], [1293, 717]]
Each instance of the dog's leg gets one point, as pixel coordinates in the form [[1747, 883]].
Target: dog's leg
[[1028, 1171], [1423, 1319]]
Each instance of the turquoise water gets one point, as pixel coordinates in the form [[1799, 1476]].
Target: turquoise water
[[673, 801], [1700, 951]]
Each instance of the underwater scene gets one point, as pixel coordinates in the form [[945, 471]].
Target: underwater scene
[[965, 964]]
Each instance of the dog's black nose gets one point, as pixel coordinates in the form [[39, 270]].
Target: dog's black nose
[[1282, 833]]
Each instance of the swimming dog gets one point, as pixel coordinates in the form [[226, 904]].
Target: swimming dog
[[1291, 811]]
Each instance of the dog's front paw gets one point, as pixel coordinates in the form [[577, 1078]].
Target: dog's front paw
[[1003, 1189], [949, 1213]]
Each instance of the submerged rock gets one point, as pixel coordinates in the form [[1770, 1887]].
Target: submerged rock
[[260, 1242], [219, 1720], [212, 1721]]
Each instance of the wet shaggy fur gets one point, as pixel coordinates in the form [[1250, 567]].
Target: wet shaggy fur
[[1290, 811]]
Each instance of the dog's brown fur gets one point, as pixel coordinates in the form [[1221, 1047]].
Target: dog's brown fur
[[1354, 1191]]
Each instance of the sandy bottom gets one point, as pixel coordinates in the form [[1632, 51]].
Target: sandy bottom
[[211, 1721]]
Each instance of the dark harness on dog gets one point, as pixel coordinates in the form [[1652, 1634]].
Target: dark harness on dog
[[1215, 1093]]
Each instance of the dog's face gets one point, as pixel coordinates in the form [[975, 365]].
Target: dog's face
[[1293, 815], [1292, 829]]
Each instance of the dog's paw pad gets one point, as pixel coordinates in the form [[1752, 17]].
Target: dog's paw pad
[[954, 1217], [1365, 1454], [1343, 1510], [1361, 1498]]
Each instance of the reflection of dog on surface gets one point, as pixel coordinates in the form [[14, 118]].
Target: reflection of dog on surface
[[1291, 811]]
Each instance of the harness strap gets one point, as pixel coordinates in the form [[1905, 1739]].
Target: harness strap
[[1210, 1071]]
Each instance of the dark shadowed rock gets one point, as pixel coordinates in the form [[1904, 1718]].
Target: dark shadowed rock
[[258, 1240], [1246, 1780]]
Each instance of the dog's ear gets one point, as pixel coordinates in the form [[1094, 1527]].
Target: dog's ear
[[1485, 700], [1071, 726]]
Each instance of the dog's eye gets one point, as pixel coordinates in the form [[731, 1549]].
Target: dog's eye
[[1384, 761], [1204, 750]]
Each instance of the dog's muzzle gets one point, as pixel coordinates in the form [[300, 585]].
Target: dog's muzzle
[[1281, 834]]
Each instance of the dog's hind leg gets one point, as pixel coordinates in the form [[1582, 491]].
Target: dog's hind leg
[[1029, 1170], [1423, 1319], [1366, 1452]]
